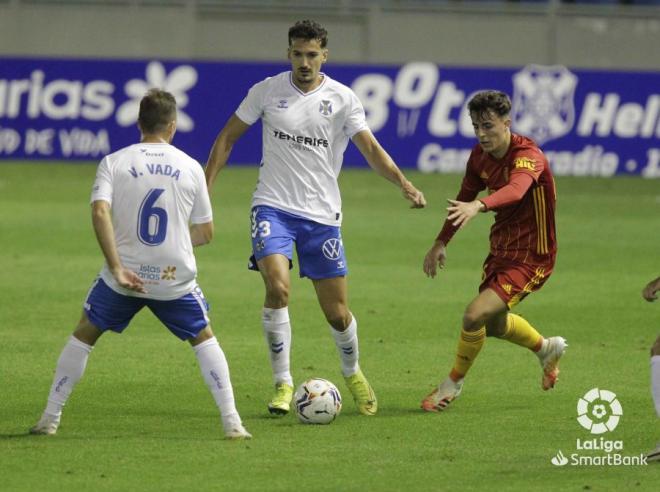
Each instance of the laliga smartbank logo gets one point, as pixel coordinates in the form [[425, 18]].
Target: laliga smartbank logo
[[598, 411]]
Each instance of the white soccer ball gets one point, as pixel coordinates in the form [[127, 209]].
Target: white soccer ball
[[317, 401]]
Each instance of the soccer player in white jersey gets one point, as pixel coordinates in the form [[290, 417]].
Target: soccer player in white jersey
[[150, 207], [308, 119], [650, 293]]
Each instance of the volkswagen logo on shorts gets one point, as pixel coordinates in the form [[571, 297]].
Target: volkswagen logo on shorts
[[332, 248]]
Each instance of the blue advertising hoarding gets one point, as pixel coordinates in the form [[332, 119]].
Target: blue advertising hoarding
[[588, 122]]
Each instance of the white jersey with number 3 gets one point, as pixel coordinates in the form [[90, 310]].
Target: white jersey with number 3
[[156, 192], [304, 139]]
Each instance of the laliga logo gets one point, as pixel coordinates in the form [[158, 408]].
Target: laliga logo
[[599, 411], [542, 105], [180, 80]]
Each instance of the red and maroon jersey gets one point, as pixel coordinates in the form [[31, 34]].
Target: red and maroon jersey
[[524, 228]]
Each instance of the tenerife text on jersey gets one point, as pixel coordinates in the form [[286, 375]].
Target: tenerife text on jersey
[[301, 139]]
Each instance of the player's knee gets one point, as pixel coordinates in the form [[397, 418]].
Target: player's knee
[[86, 332], [473, 320], [277, 292], [655, 349], [202, 336], [339, 319]]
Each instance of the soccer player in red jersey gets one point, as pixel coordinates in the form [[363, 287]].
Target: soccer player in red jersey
[[523, 242]]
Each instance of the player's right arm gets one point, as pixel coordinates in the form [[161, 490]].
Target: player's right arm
[[105, 234], [222, 146], [435, 258], [201, 234]]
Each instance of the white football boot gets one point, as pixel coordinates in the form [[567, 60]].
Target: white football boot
[[551, 351], [47, 425], [234, 430], [440, 398]]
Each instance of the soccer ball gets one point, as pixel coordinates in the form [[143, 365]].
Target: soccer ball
[[317, 401]]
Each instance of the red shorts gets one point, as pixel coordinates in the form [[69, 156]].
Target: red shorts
[[513, 281]]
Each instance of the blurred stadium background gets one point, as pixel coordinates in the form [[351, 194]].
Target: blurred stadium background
[[583, 75], [588, 33]]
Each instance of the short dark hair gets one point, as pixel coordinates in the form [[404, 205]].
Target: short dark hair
[[308, 29], [486, 101], [157, 109]]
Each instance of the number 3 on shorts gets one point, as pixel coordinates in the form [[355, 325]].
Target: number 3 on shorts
[[262, 228]]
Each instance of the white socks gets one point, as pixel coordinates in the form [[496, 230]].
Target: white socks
[[277, 331], [69, 370], [213, 364], [347, 347], [655, 382]]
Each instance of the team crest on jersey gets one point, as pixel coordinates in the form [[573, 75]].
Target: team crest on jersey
[[325, 108], [543, 106]]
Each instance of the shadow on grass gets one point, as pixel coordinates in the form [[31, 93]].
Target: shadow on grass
[[7, 437]]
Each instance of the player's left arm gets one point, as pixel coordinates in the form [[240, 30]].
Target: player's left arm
[[527, 166], [460, 213], [381, 162], [105, 234]]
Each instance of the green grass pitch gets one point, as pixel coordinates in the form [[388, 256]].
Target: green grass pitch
[[142, 418]]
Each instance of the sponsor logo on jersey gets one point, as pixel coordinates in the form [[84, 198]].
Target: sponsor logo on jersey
[[169, 273], [149, 272], [524, 163], [542, 103], [301, 139], [283, 104]]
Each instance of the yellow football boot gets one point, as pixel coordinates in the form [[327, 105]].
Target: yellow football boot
[[363, 393], [281, 402]]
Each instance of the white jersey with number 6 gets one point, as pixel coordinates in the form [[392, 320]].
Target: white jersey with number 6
[[156, 192], [304, 139]]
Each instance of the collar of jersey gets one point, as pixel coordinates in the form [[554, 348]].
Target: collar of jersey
[[325, 77]]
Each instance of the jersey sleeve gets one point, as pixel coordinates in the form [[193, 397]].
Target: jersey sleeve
[[470, 188], [252, 107], [513, 192], [356, 120], [201, 212], [102, 188], [528, 160]]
